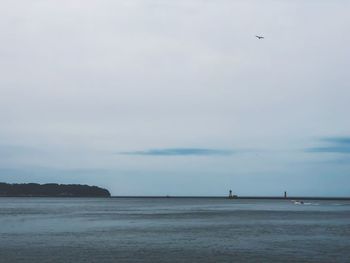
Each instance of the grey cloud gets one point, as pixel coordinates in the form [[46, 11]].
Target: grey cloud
[[334, 145], [181, 152], [16, 150]]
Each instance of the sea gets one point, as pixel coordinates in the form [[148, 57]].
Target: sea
[[173, 230]]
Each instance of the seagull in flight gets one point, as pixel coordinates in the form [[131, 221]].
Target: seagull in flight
[[259, 37]]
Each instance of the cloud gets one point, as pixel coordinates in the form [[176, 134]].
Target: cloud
[[181, 152], [335, 145], [338, 140], [7, 150]]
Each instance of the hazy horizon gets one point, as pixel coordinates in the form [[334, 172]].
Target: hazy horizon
[[148, 97]]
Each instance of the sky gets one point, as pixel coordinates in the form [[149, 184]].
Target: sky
[[165, 97]]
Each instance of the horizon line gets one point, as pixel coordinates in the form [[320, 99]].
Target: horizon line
[[237, 197]]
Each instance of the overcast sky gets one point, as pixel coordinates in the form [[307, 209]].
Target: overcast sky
[[177, 97]]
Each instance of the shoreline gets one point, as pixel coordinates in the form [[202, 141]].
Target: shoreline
[[243, 197], [197, 197]]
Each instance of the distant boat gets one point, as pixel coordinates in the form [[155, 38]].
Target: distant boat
[[298, 202]]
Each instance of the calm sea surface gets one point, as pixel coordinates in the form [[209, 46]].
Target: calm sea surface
[[172, 230]]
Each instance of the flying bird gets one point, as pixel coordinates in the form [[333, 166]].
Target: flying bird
[[259, 37]]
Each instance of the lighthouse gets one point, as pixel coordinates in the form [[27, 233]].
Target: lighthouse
[[230, 194]]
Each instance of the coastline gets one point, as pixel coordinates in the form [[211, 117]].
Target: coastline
[[244, 197], [332, 198]]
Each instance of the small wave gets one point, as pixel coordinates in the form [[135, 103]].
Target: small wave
[[304, 203]]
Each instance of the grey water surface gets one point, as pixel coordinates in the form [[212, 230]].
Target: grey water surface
[[172, 230]]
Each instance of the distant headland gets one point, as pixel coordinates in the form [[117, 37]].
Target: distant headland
[[51, 190]]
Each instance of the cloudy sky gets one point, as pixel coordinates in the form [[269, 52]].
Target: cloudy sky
[[178, 97]]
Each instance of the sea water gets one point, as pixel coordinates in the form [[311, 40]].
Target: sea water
[[172, 230]]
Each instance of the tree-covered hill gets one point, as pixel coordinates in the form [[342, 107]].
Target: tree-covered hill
[[52, 190]]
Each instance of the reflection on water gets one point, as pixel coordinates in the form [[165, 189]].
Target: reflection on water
[[173, 230]]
